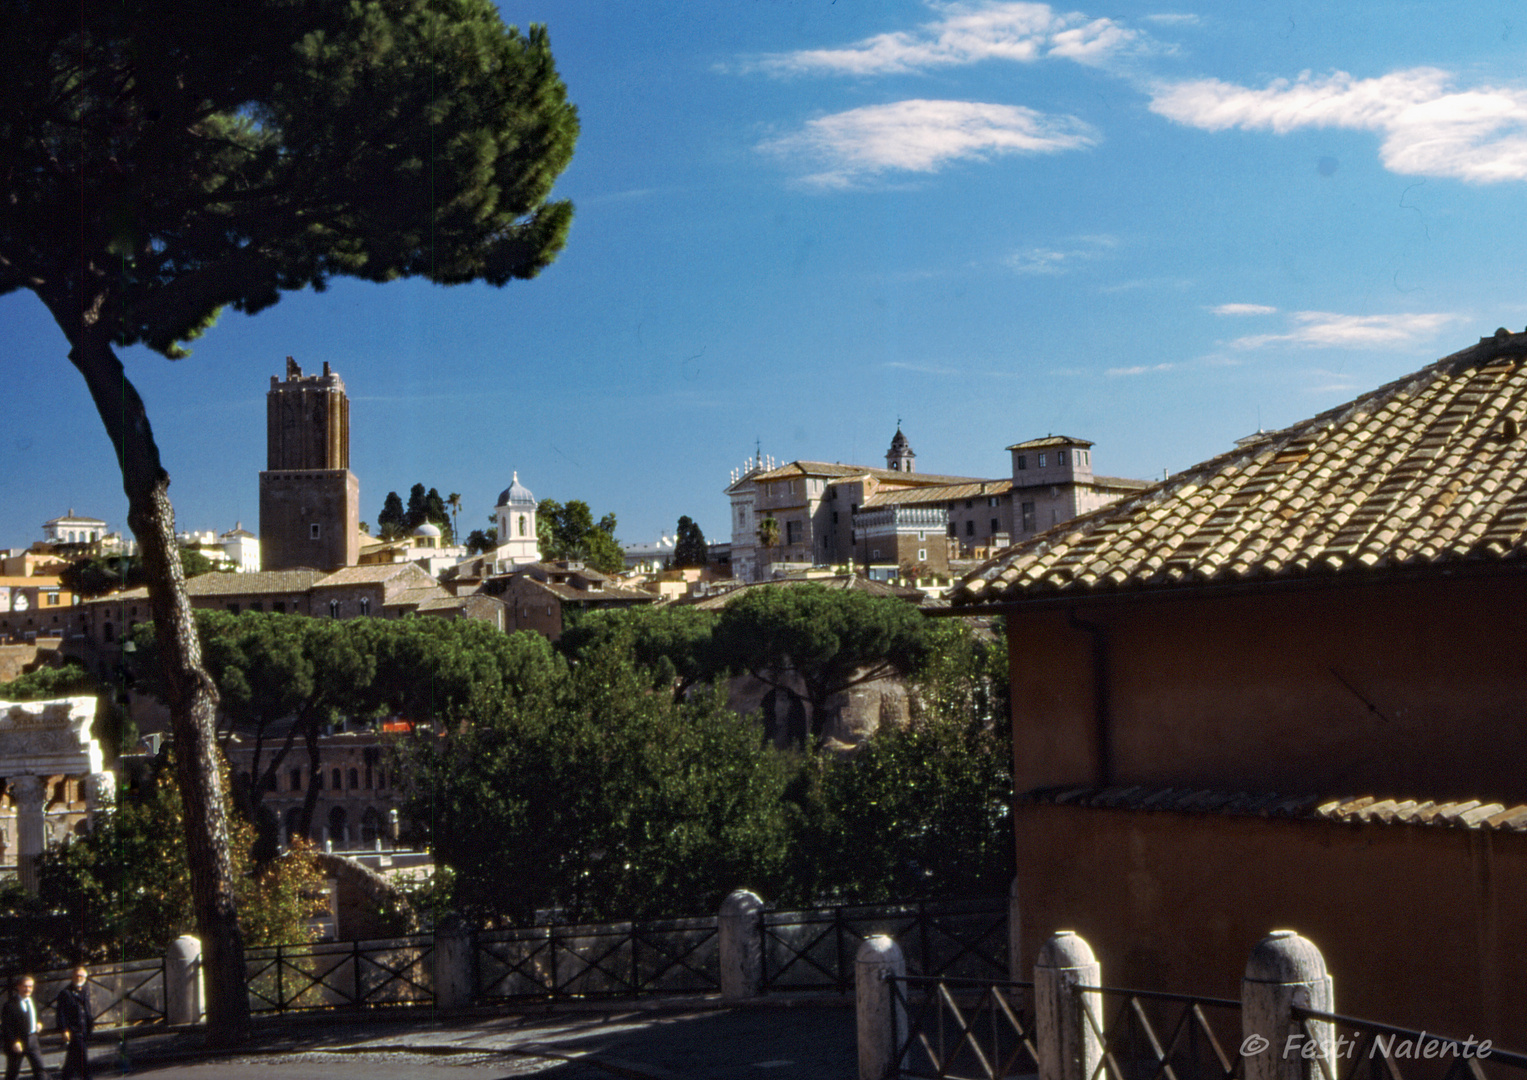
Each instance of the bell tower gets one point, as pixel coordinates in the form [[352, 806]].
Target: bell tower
[[900, 458], [309, 498]]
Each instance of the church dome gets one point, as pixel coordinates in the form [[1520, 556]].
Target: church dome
[[516, 494], [428, 529]]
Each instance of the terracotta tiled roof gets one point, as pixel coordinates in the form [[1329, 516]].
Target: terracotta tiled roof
[[254, 583], [1049, 440], [837, 581], [939, 494], [1429, 470], [795, 469], [370, 574], [1464, 814]]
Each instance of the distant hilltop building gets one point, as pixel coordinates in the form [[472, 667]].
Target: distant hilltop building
[[309, 498], [812, 513]]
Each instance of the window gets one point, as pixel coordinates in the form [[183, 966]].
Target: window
[[954, 529], [1060, 457], [922, 534], [522, 524], [970, 504], [991, 500], [792, 532], [365, 605], [970, 528], [278, 606], [333, 609], [922, 554], [270, 781], [233, 609], [355, 779], [1023, 461], [53, 599], [834, 517], [337, 784], [296, 779], [1041, 461], [995, 528], [255, 606], [315, 531], [1028, 517], [875, 553]]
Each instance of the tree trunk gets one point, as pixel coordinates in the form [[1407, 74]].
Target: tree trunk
[[191, 693]]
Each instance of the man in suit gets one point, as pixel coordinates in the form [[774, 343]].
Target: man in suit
[[75, 1022], [19, 1027]]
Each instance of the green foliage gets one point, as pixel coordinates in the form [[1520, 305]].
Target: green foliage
[[601, 799], [96, 575], [224, 156], [389, 523], [768, 532], [671, 644], [831, 639], [113, 728], [126, 885], [923, 811], [480, 541], [569, 532], [689, 545]]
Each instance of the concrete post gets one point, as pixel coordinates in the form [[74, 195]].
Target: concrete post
[[27, 793], [453, 966], [1015, 968], [740, 943], [1069, 1048], [1285, 970], [184, 995], [882, 1020]]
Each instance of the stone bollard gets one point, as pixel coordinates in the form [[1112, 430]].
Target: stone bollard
[[1285, 970], [882, 1020], [740, 943], [1068, 1047], [452, 965], [184, 992], [1015, 969]]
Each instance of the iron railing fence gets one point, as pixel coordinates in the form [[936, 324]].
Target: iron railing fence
[[337, 974], [122, 995], [1149, 1035], [1354, 1049], [963, 1029], [814, 949], [625, 959]]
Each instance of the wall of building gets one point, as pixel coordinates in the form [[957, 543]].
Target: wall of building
[[1410, 689], [291, 503], [1420, 926]]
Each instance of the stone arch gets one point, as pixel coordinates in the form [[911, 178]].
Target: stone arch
[[338, 827], [371, 827]]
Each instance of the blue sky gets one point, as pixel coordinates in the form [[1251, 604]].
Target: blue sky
[[1153, 226]]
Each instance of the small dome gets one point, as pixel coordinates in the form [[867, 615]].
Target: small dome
[[427, 529], [516, 494], [899, 441]]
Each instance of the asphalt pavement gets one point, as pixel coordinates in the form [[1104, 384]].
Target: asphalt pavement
[[777, 1038]]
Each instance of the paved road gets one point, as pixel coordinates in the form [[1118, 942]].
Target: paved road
[[800, 1040]]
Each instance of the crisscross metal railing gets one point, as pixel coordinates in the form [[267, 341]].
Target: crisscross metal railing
[[1347, 1048], [814, 949], [328, 975], [122, 995], [1159, 1036], [963, 1029], [668, 956]]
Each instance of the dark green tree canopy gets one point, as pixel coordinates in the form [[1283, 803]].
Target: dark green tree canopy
[[389, 523], [568, 531], [689, 545], [231, 160]]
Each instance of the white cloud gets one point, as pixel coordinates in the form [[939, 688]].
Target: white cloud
[[1040, 260], [923, 136], [1170, 19], [1429, 127], [965, 33], [1323, 329], [1244, 309], [1139, 369]]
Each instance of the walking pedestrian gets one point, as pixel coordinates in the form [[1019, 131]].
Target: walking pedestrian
[[75, 1022], [19, 1027]]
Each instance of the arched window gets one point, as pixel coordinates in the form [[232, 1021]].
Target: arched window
[[338, 833], [371, 827], [108, 634], [365, 605], [293, 820], [522, 524], [355, 779], [337, 784], [333, 609], [296, 780]]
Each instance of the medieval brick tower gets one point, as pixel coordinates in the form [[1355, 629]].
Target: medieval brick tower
[[309, 498]]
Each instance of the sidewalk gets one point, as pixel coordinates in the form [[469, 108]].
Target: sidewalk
[[805, 1038]]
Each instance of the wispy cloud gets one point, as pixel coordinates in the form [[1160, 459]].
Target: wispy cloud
[[1323, 329], [922, 137], [1047, 260], [1139, 369], [921, 369], [1429, 127], [965, 33], [1165, 18], [1244, 309]]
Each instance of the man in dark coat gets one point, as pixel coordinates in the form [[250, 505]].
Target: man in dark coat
[[18, 1027], [75, 1022]]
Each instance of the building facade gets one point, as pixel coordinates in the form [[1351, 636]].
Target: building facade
[[309, 498]]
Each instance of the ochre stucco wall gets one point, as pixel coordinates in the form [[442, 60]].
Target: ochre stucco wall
[[1271, 692], [1420, 926]]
